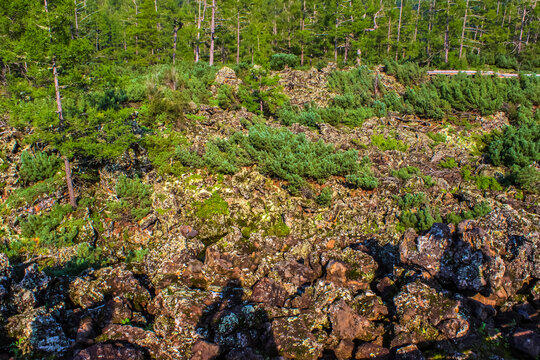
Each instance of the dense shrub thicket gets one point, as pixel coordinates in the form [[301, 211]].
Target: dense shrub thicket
[[518, 147], [279, 61], [278, 153], [38, 166]]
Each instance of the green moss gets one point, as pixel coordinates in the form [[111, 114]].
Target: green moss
[[212, 206], [279, 229], [449, 163], [389, 143]]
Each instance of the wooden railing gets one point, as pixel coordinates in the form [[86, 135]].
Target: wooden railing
[[472, 72]]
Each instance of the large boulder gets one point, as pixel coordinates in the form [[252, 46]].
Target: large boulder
[[91, 290], [425, 314]]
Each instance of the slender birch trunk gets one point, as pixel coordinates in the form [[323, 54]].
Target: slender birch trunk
[[212, 32], [399, 27], [463, 30], [67, 165]]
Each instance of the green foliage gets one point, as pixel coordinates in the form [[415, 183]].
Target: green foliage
[[134, 199], [426, 102], [421, 219], [449, 163], [408, 73], [108, 99], [28, 195], [38, 166], [410, 201], [363, 178], [428, 181], [311, 115], [527, 178], [518, 147], [46, 228], [277, 152], [325, 197], [487, 183], [85, 258], [212, 206], [161, 151], [279, 61], [389, 143], [479, 210], [358, 83], [227, 98], [279, 229], [438, 138], [405, 173]]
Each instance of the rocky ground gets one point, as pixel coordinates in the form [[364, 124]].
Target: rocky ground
[[275, 276]]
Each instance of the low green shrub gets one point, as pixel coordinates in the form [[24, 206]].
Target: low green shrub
[[410, 201], [406, 173], [420, 219], [389, 143], [279, 61], [487, 183], [227, 98], [134, 199], [279, 229], [325, 197], [38, 166], [479, 210], [408, 73], [46, 228], [449, 163], [438, 138], [278, 153], [363, 178]]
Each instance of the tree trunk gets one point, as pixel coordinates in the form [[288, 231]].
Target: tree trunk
[[238, 37], [175, 38], [389, 45], [430, 27], [302, 27], [76, 20], [520, 43], [336, 36], [447, 34], [136, 25], [67, 166], [212, 32], [158, 25], [463, 30], [346, 53], [416, 24], [399, 27], [200, 19]]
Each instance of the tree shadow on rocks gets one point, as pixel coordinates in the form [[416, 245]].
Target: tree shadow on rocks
[[234, 329]]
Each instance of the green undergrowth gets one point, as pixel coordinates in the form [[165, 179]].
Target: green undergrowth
[[212, 206], [388, 143], [133, 199], [276, 152]]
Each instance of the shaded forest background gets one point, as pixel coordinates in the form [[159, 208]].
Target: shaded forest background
[[444, 33]]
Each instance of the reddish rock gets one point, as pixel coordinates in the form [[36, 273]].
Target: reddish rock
[[85, 330], [203, 350], [294, 340], [526, 341], [386, 288], [116, 351], [348, 324], [372, 351], [345, 349], [410, 352], [294, 272], [268, 292]]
